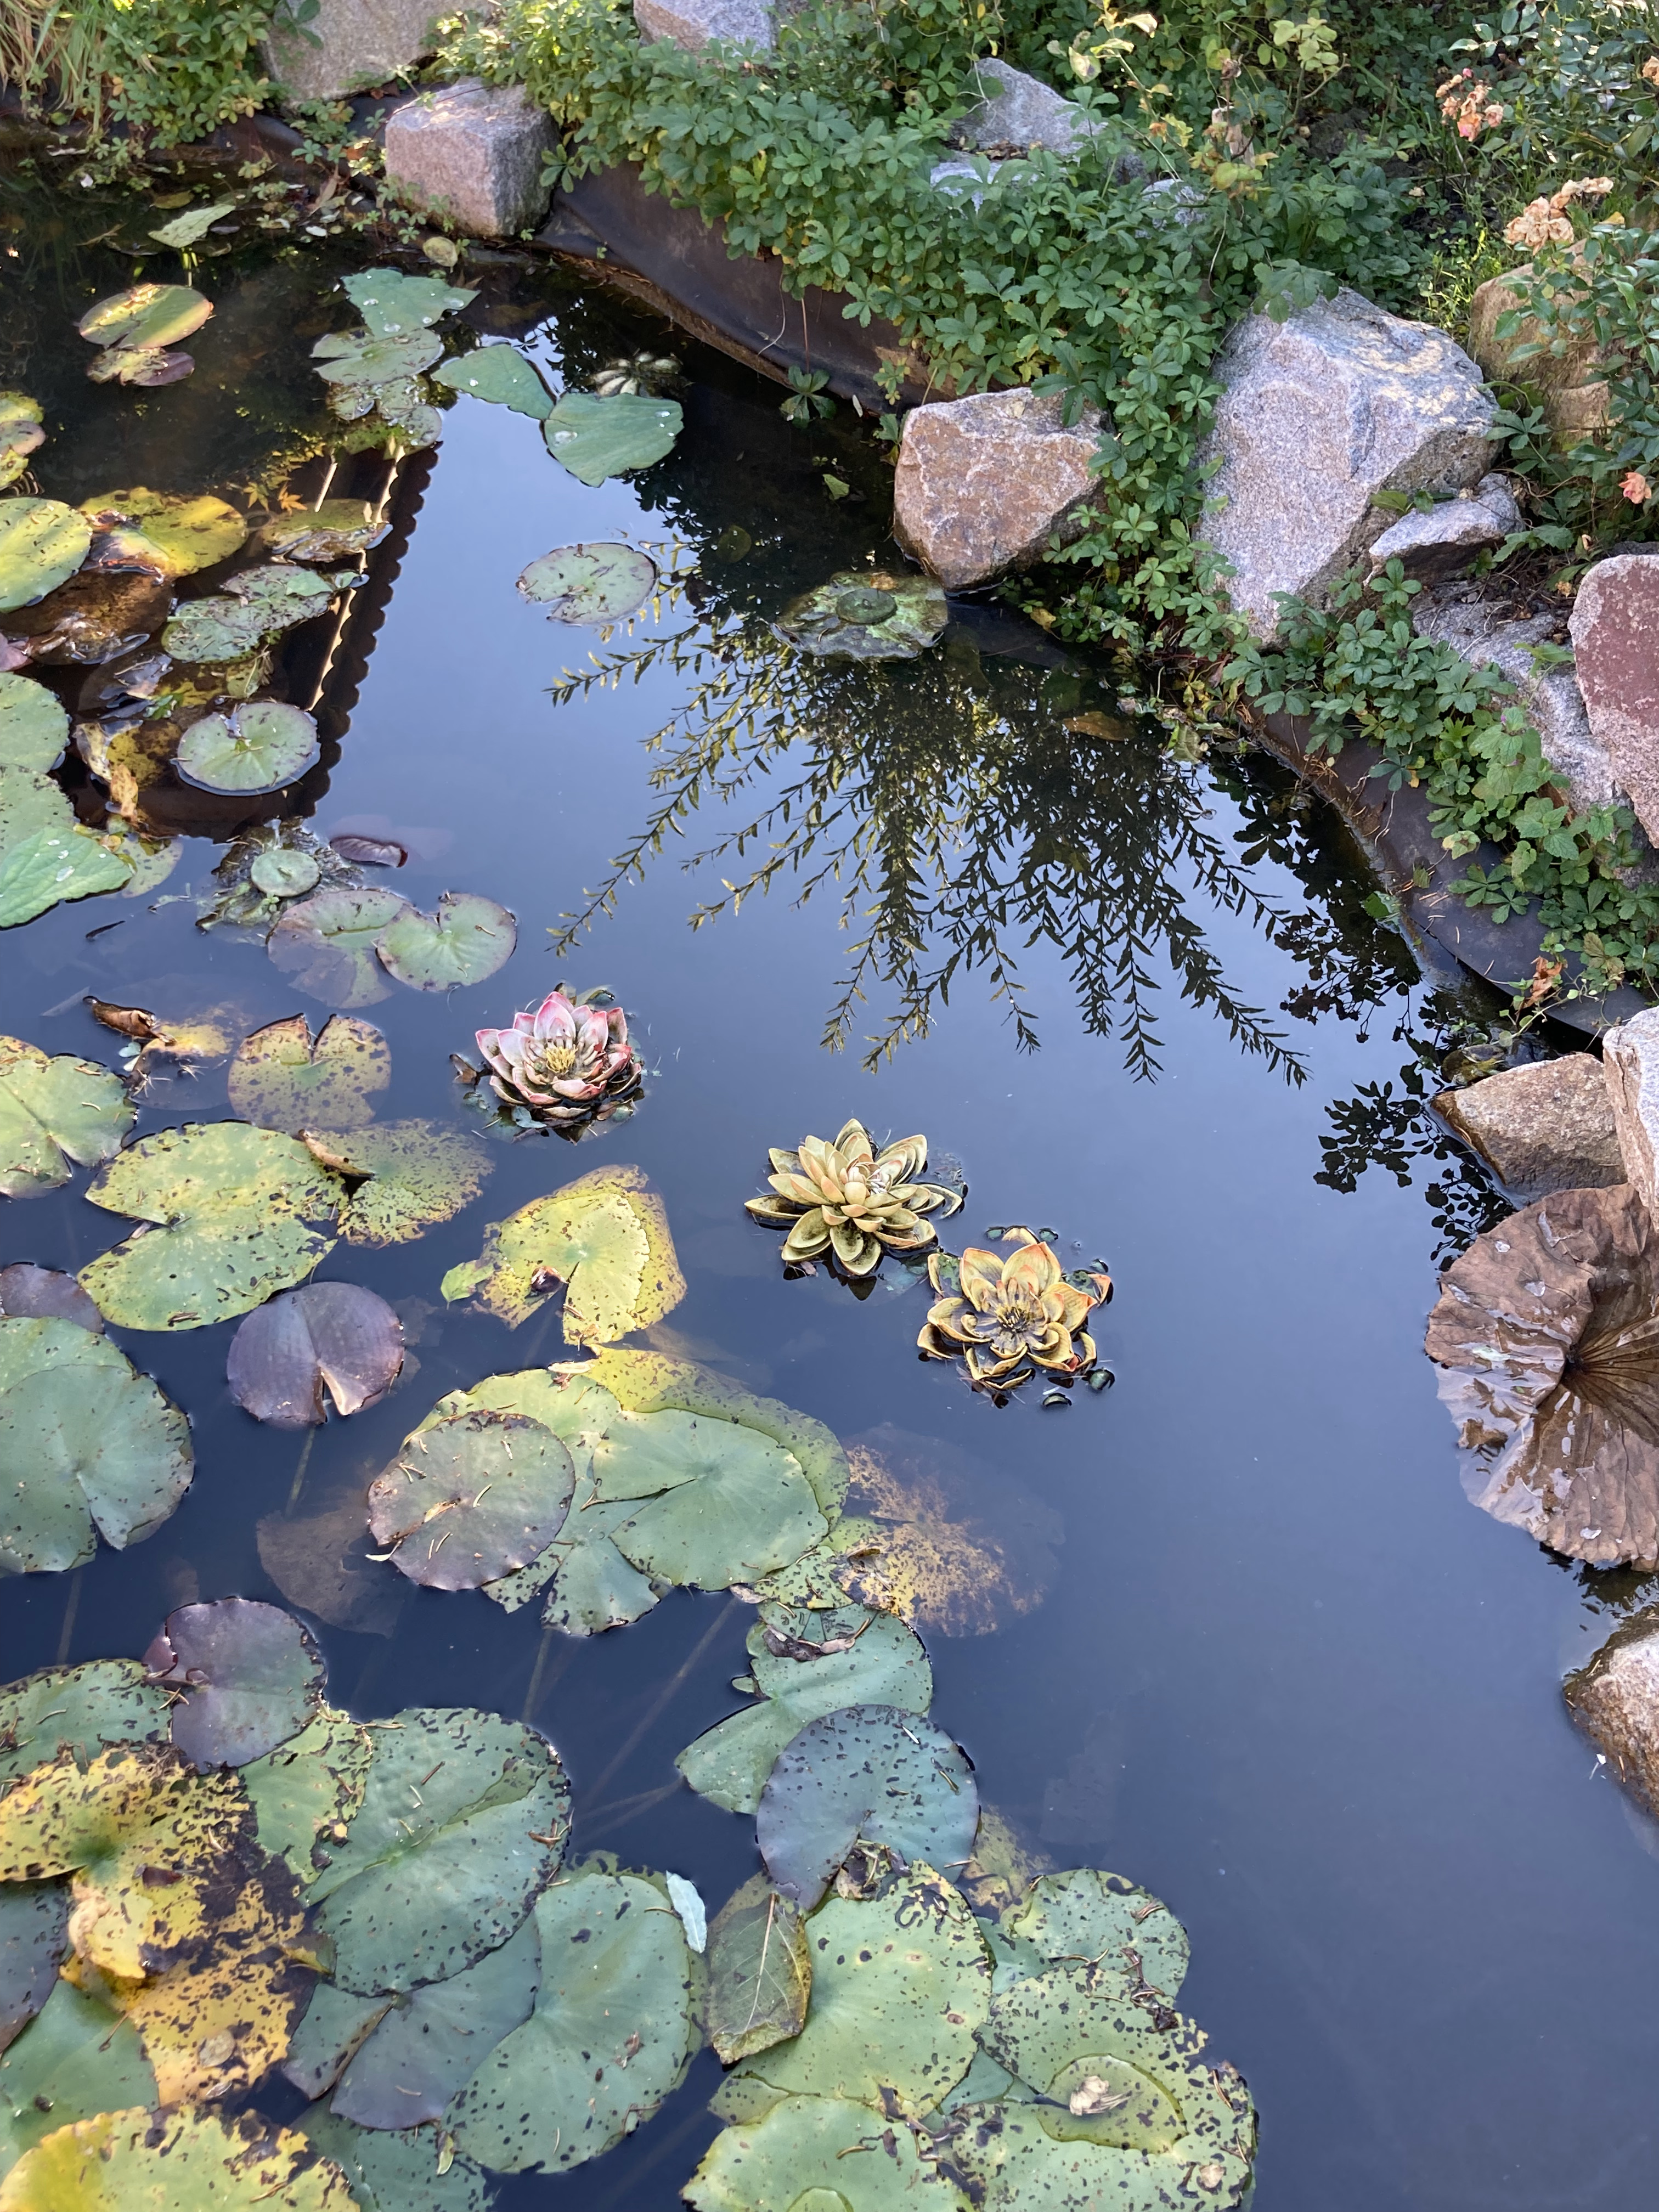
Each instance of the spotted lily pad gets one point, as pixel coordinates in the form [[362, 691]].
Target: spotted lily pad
[[33, 725], [867, 616], [416, 1174], [398, 2172], [283, 873], [76, 2059], [42, 542], [81, 1710], [291, 863], [33, 1940], [283, 1078], [335, 530], [255, 606], [429, 1505], [1100, 1919], [306, 1787], [467, 939], [259, 746], [56, 1114], [327, 943], [393, 304], [247, 1677], [179, 532], [759, 1972], [238, 1214], [597, 583], [596, 438], [821, 2154], [21, 434], [500, 373], [188, 2160], [604, 1237], [722, 1504], [336, 1339], [146, 315]]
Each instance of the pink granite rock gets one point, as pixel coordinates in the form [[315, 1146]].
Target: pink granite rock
[[471, 154], [1615, 642], [985, 483]]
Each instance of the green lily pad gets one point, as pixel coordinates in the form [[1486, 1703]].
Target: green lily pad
[[55, 1114], [34, 1942], [76, 2058], [335, 530], [283, 1078], [867, 616], [240, 1213], [95, 1443], [148, 315], [84, 1708], [358, 357], [336, 2022], [392, 304], [418, 1174], [759, 1972], [589, 1586], [285, 853], [255, 606], [189, 2161], [820, 2155], [869, 1774], [21, 434], [429, 1503], [283, 873], [597, 583], [259, 746], [33, 725], [604, 1237], [609, 2038], [245, 1674], [722, 1503], [42, 544], [596, 438], [326, 944], [468, 938], [398, 2173], [1098, 1918], [46, 855], [880, 1662], [180, 533], [900, 1984], [464, 1821], [500, 373], [308, 1787]]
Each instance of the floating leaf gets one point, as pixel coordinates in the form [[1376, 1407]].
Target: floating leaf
[[422, 2054], [77, 2058], [369, 851], [42, 542], [179, 532], [188, 230], [393, 304], [869, 1774], [21, 434], [282, 874], [326, 945], [190, 2161], [869, 615], [332, 1337], [604, 1237], [240, 1213], [33, 1939], [463, 1820], [32, 1293], [333, 530], [281, 1078], [33, 725], [817, 2154], [79, 1708], [500, 373], [609, 2037], [259, 746], [723, 1504], [55, 1113], [45, 854], [465, 940], [686, 1900], [246, 1677], [400, 2171], [308, 1787], [1098, 1918], [358, 357], [253, 607], [597, 583], [417, 1173], [759, 1972], [596, 438], [146, 315], [429, 1503], [319, 1561], [148, 366], [872, 1659]]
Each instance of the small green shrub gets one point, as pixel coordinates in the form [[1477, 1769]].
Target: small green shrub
[[172, 70]]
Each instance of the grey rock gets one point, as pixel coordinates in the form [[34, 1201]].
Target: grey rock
[[1615, 1701], [1019, 110], [1317, 415], [1615, 640], [472, 153], [695, 24], [1630, 1061], [984, 484], [1174, 195], [1539, 1128], [352, 46], [1441, 540]]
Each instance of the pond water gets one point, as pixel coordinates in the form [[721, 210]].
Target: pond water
[[1257, 1650]]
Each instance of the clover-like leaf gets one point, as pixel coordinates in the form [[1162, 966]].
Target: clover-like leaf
[[500, 373], [256, 747], [429, 1503], [56, 1114], [595, 438], [333, 1338], [604, 1237], [33, 725], [593, 583], [415, 1175], [467, 939]]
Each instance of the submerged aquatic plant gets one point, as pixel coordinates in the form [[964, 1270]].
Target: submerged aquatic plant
[[568, 1059], [850, 1200], [633, 372], [1012, 1316]]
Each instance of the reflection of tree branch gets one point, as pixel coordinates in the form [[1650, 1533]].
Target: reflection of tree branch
[[959, 826]]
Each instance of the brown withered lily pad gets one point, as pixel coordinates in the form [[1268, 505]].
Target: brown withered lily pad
[[1548, 1332], [32, 1293], [335, 1338]]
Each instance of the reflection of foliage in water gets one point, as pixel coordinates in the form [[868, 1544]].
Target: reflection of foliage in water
[[959, 825]]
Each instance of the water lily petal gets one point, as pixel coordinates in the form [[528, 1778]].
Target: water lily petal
[[776, 1210], [907, 1156], [798, 1188], [1028, 1273], [555, 1019], [809, 1236], [853, 1142], [981, 1276], [857, 1253]]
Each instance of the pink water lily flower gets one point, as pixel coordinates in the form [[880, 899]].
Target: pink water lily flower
[[561, 1058]]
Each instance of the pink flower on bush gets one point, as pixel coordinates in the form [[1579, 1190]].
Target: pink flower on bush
[[1637, 489], [560, 1059]]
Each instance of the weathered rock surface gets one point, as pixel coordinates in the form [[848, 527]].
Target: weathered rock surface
[[471, 153], [1615, 1701], [984, 484], [1615, 641], [1434, 543], [1319, 413], [1539, 1128], [1573, 396], [1021, 111], [352, 46], [1630, 1060], [695, 24]]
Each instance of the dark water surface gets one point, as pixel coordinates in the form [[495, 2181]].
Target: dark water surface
[[1284, 1674]]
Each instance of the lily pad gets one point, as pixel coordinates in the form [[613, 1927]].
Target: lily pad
[[238, 1214], [500, 373], [604, 1237], [722, 1503], [464, 1821], [33, 725], [759, 1972], [308, 1787], [79, 1708], [95, 1444], [42, 542], [597, 583], [869, 1774], [76, 2059], [181, 533], [333, 1338], [468, 938], [398, 2173], [358, 357], [32, 1293], [392, 304], [148, 366], [189, 228], [827, 1661], [21, 434], [290, 861], [596, 438], [868, 615], [33, 1940], [46, 855], [283, 1079], [259, 746], [608, 2040], [418, 1174], [319, 1562], [146, 315], [253, 607], [820, 2155], [429, 1503], [190, 2161], [326, 945], [1099, 1919], [283, 873], [422, 2053], [335, 530], [55, 1114], [247, 1677]]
